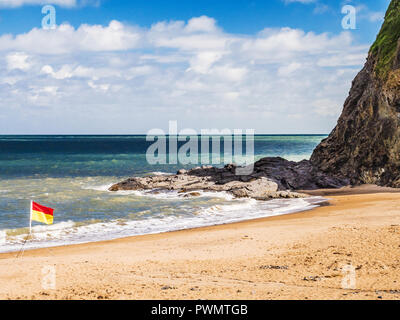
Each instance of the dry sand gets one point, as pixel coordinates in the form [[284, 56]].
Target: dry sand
[[297, 256]]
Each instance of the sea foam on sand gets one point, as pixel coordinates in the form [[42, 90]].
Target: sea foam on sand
[[236, 210]]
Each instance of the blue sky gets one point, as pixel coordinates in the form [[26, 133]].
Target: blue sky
[[113, 66], [238, 16]]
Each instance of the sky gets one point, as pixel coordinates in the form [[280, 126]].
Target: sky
[[126, 67]]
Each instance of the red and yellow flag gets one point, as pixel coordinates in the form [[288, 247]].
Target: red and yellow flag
[[41, 213]]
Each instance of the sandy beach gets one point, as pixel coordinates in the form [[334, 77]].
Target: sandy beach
[[296, 256]]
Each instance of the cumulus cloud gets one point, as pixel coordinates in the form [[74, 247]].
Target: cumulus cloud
[[202, 23], [66, 39], [18, 60], [127, 79], [289, 69]]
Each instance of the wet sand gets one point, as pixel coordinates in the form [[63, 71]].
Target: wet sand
[[349, 249]]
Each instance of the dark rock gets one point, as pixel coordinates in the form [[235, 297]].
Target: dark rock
[[272, 267], [271, 178], [312, 278], [167, 288]]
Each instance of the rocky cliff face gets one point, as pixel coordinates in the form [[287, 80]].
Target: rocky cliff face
[[365, 144]]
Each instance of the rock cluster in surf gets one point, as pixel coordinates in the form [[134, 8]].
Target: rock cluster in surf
[[271, 178]]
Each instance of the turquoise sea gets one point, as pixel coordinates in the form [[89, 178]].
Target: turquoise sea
[[72, 174]]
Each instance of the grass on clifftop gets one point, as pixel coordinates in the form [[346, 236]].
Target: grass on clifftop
[[386, 42]]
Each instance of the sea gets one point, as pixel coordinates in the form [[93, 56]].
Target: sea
[[72, 174]]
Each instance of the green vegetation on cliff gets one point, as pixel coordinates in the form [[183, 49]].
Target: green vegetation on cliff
[[385, 45]]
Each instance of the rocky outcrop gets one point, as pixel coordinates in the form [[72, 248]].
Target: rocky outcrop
[[187, 184], [365, 144], [271, 178]]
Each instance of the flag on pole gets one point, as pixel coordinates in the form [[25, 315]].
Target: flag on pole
[[41, 213]]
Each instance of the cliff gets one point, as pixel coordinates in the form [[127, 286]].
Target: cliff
[[365, 144]]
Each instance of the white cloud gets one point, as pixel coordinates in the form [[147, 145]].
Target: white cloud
[[69, 71], [364, 13], [125, 79], [376, 16], [280, 44], [203, 23], [289, 69], [50, 90], [103, 87], [229, 73], [18, 60], [327, 107], [203, 61], [342, 59], [66, 39]]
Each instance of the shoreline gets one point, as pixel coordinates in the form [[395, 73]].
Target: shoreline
[[291, 256], [149, 236], [202, 228], [349, 190], [310, 203]]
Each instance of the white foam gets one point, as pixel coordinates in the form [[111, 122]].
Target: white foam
[[237, 210], [103, 187], [159, 173], [158, 193], [174, 195]]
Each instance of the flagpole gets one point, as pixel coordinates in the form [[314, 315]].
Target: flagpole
[[21, 251], [30, 219]]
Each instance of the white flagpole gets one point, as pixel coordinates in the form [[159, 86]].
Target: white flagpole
[[30, 219], [21, 252]]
